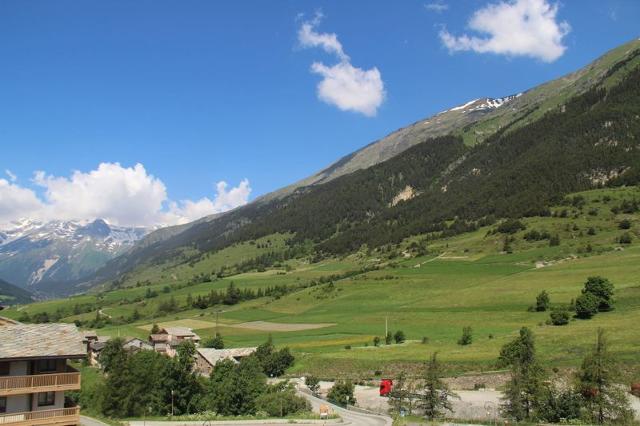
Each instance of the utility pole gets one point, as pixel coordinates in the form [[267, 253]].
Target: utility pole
[[217, 311], [386, 326]]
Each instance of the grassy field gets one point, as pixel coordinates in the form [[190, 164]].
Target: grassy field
[[463, 281]]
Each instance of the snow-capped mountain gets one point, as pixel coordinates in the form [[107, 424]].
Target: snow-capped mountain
[[39, 255]]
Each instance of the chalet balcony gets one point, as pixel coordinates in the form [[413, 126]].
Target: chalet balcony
[[19, 385], [59, 416]]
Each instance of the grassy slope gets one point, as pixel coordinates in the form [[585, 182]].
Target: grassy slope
[[465, 281]]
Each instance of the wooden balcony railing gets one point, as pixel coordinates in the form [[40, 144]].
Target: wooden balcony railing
[[59, 416], [17, 385]]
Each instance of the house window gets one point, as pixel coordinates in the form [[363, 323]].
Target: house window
[[46, 398], [3, 404], [4, 368], [47, 365]]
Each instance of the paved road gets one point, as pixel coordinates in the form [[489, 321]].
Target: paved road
[[88, 421], [349, 417], [234, 423]]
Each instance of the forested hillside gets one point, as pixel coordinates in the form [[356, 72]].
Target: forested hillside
[[11, 295], [440, 185]]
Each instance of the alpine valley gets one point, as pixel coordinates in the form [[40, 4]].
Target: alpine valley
[[422, 229]]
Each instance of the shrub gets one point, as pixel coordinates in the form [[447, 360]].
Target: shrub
[[376, 341], [560, 316], [399, 337], [601, 288], [467, 336], [313, 383], [591, 231], [213, 342], [554, 241], [280, 400], [625, 238], [542, 301], [510, 226], [425, 340], [624, 224], [587, 305], [388, 338], [342, 393]]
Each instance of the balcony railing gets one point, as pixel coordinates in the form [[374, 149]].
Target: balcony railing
[[59, 416], [17, 385]]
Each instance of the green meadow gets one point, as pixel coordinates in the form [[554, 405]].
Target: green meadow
[[466, 280]]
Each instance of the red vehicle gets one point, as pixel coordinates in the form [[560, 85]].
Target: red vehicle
[[385, 387]]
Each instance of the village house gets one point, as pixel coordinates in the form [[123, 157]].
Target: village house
[[207, 358], [34, 373], [95, 344], [167, 339], [133, 345]]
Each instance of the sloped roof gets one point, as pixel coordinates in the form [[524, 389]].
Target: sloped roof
[[213, 356], [179, 331], [7, 321], [23, 341], [159, 338]]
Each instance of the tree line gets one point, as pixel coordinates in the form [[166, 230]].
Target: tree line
[[146, 383]]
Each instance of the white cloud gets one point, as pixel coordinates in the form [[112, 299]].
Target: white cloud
[[350, 88], [16, 202], [308, 37], [121, 195], [187, 210], [514, 28], [343, 85], [437, 6]]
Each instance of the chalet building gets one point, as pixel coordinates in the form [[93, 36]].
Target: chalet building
[[95, 344], [207, 358], [167, 339], [133, 345], [34, 374]]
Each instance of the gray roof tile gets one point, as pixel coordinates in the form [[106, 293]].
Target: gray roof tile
[[40, 341]]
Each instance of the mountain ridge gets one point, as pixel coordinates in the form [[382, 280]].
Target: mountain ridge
[[35, 254], [524, 109]]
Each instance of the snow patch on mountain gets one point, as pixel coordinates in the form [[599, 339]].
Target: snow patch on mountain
[[483, 104], [60, 251]]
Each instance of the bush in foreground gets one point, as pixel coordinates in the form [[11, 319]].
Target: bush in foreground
[[342, 393]]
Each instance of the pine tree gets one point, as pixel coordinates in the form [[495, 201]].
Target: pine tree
[[436, 394], [399, 395], [604, 401], [524, 389]]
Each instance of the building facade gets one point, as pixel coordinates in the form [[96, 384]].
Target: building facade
[[34, 374]]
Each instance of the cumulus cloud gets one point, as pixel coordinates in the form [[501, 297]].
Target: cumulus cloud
[[121, 195], [514, 28], [437, 6], [16, 202], [225, 199], [350, 88], [347, 87]]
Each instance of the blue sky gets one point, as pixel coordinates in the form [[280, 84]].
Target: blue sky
[[201, 92]]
